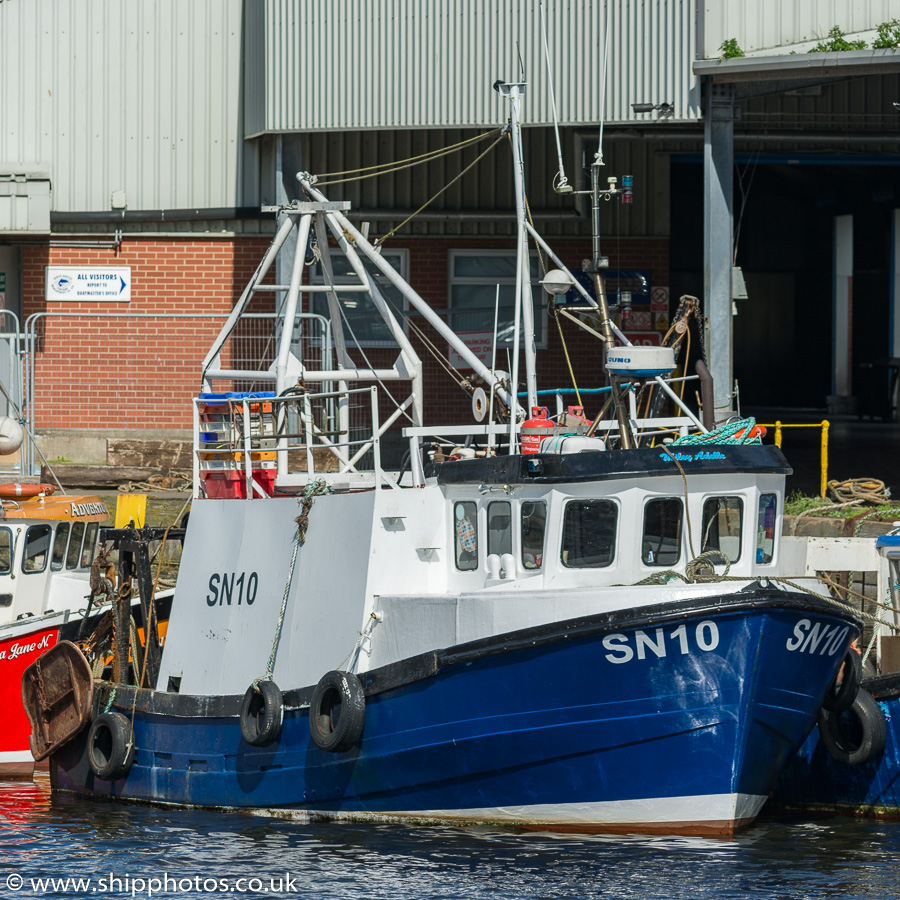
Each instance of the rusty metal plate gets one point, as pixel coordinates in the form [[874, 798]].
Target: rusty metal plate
[[57, 690]]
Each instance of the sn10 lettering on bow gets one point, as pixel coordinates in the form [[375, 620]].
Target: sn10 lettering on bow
[[229, 587], [817, 638], [625, 647]]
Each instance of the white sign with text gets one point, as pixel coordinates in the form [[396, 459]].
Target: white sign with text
[[97, 283]]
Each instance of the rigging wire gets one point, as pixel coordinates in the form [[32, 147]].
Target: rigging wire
[[560, 182], [362, 352], [431, 200], [553, 314], [400, 165], [745, 194], [599, 156], [450, 369]]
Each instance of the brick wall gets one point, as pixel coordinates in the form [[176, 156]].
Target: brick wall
[[112, 372], [131, 373]]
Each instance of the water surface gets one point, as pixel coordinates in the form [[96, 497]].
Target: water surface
[[117, 849]]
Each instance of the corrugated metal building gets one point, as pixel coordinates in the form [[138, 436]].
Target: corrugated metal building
[[142, 134]]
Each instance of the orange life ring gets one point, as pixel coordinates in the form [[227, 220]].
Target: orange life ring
[[13, 491], [756, 431]]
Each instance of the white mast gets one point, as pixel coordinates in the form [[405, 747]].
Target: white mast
[[524, 299]]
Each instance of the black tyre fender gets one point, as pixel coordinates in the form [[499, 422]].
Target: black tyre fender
[[110, 746], [262, 714], [337, 712], [840, 695], [834, 728]]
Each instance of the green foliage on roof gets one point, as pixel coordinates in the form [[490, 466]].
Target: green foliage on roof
[[730, 49], [888, 36], [837, 42]]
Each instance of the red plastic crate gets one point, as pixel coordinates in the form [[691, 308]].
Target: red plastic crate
[[229, 484]]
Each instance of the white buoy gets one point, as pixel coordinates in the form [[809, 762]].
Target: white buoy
[[11, 435]]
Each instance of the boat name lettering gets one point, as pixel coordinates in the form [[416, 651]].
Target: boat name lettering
[[818, 637], [693, 457], [89, 509], [18, 650], [623, 647], [228, 586]]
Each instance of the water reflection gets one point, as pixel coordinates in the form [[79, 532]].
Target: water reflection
[[43, 835]]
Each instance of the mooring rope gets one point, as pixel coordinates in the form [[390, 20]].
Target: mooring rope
[[724, 434], [313, 489]]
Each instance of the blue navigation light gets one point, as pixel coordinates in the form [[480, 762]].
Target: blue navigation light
[[627, 180]]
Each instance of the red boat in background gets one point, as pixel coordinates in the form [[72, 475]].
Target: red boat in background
[[47, 547]]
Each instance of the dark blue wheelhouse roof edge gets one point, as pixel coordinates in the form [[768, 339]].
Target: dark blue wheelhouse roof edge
[[547, 468]]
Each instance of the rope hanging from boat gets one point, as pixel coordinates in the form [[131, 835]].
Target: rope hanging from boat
[[399, 165], [313, 490], [740, 432], [562, 340]]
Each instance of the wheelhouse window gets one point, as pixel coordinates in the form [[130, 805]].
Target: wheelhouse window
[[722, 522], [589, 534], [59, 546], [661, 542], [465, 530], [474, 277], [765, 528], [74, 553], [6, 549], [534, 524], [37, 546], [90, 540], [357, 307], [499, 527]]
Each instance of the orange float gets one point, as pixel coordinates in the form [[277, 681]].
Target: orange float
[[15, 491]]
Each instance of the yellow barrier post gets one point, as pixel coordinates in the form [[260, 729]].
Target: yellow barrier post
[[824, 425], [131, 508]]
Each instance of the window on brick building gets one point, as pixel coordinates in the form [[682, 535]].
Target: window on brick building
[[361, 319], [474, 276]]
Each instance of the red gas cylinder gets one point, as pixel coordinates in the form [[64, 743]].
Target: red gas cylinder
[[575, 418], [535, 429]]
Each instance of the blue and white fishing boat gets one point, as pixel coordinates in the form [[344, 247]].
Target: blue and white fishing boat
[[591, 637], [850, 762]]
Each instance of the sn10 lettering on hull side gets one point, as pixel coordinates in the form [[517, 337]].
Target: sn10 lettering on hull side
[[817, 637], [232, 587], [683, 640]]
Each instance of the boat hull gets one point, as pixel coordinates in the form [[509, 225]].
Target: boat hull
[[813, 781], [16, 654], [676, 718]]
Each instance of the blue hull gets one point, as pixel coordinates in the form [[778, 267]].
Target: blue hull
[[815, 782], [680, 721]]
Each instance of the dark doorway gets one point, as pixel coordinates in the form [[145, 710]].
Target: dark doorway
[[784, 214]]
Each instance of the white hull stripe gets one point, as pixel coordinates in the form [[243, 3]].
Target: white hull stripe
[[15, 756], [712, 808]]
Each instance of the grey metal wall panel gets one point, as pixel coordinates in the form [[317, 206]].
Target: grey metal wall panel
[[411, 64], [766, 25], [125, 95]]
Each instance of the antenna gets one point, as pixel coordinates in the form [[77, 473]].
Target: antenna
[[560, 183], [598, 159], [521, 64]]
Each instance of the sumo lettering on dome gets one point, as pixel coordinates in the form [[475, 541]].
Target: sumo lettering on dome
[[89, 283]]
